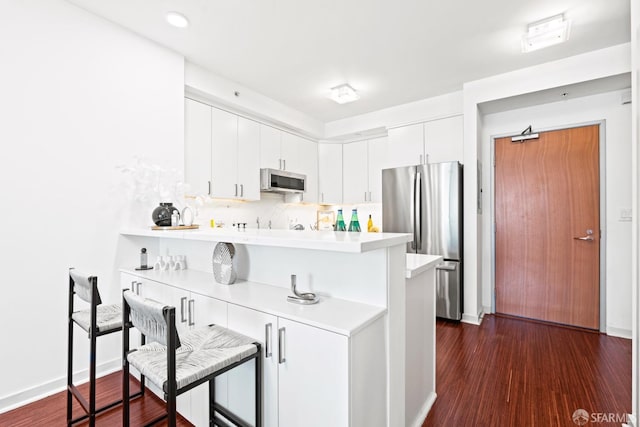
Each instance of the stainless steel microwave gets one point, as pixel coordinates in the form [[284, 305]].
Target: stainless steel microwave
[[279, 181]]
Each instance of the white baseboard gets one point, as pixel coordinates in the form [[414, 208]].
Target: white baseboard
[[619, 332], [43, 390], [424, 411], [472, 319], [486, 310]]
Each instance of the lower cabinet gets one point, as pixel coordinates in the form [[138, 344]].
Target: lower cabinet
[[310, 376]]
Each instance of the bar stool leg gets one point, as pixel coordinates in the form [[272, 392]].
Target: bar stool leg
[[212, 402], [69, 372], [92, 382], [258, 361]]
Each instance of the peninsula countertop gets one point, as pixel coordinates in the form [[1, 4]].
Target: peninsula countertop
[[335, 241]]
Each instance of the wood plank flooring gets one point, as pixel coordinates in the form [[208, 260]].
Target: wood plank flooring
[[510, 372], [504, 373], [52, 411]]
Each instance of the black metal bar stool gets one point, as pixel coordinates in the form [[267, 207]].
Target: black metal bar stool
[[97, 320], [177, 364]]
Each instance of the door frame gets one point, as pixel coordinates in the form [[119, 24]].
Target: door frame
[[603, 210]]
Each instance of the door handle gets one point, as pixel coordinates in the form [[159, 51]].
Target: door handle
[[281, 348], [446, 267], [192, 309], [183, 310], [412, 213], [418, 196], [267, 341], [585, 238]]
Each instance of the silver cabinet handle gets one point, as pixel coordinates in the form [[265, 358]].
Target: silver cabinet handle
[[322, 197], [281, 348], [236, 194], [192, 309], [241, 190], [284, 164], [133, 286], [418, 207], [420, 158], [279, 163], [183, 309], [209, 191], [267, 341], [446, 267], [370, 196], [365, 196]]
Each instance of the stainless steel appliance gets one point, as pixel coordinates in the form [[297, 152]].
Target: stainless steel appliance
[[279, 181], [426, 201]]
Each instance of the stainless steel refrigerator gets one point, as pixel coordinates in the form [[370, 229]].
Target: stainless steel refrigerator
[[426, 201]]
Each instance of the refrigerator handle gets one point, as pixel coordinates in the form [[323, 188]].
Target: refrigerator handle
[[418, 211], [412, 210]]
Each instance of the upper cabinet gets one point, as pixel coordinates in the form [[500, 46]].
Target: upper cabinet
[[222, 157], [363, 162], [330, 173], [308, 164], [430, 142], [444, 140], [270, 142], [235, 158], [197, 147]]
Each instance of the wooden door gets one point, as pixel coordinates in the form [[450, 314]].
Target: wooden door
[[546, 205]]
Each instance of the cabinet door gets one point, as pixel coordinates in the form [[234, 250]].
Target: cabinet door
[[378, 149], [197, 147], [224, 154], [263, 328], [406, 146], [443, 140], [290, 152], [313, 370], [203, 311], [248, 159], [354, 173], [308, 160], [270, 147], [330, 173]]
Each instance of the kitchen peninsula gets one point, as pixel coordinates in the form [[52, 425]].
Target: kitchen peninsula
[[340, 362]]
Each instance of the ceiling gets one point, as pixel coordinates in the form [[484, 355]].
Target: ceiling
[[391, 52]]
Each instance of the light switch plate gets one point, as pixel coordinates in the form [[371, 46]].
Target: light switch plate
[[626, 214]]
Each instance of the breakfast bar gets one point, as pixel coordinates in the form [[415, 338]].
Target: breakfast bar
[[348, 349]]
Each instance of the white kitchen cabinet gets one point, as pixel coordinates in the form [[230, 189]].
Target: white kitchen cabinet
[[313, 369], [406, 145], [378, 160], [330, 173], [197, 147], [290, 152], [263, 328], [355, 172], [302, 365], [443, 139], [248, 159], [270, 141], [308, 161], [235, 160]]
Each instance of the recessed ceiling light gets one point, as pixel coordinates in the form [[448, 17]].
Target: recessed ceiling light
[[343, 94], [546, 33], [177, 19]]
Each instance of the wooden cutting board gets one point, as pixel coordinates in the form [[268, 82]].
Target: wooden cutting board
[[177, 227]]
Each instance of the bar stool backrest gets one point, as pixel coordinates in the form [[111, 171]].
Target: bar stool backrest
[[84, 286], [149, 317]]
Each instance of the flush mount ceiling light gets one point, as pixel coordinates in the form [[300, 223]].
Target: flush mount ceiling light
[[177, 19], [546, 33], [343, 94]]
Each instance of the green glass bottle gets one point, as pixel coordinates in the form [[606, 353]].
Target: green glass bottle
[[354, 224], [340, 225]]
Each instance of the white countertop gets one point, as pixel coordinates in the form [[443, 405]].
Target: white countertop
[[419, 263], [332, 314], [321, 240]]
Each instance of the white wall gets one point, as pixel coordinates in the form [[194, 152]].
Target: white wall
[[79, 97], [635, 84], [617, 151]]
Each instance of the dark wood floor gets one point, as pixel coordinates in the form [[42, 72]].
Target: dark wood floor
[[52, 411], [510, 372], [504, 373]]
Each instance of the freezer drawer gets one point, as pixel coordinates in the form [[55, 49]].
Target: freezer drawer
[[448, 290]]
